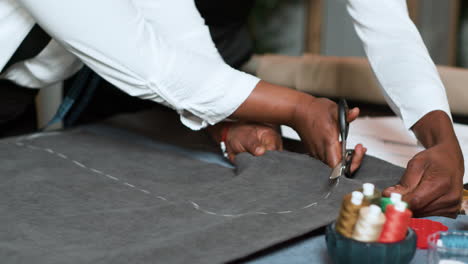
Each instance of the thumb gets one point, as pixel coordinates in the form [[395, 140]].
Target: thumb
[[270, 140], [255, 147], [333, 154], [410, 180]]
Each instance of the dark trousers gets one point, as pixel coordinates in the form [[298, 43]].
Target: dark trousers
[[17, 109]]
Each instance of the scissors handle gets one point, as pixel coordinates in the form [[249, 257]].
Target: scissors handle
[[343, 116], [343, 125]]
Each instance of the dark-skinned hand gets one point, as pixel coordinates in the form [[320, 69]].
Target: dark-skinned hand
[[317, 126], [254, 138], [315, 119], [433, 180]]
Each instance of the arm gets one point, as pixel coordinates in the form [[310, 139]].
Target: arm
[[315, 119], [399, 58], [433, 179], [114, 38], [141, 57], [349, 77]]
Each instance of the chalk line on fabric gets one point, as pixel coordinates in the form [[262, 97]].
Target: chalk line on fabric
[[38, 135], [111, 177], [62, 156], [49, 150], [79, 164], [194, 205], [32, 147], [144, 191], [308, 206], [96, 171]]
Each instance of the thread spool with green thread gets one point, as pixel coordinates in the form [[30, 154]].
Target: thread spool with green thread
[[394, 198]]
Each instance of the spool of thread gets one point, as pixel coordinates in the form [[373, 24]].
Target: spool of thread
[[349, 213], [385, 201], [454, 240], [396, 225], [371, 194], [369, 225]]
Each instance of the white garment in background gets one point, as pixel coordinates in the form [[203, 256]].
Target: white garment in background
[[387, 138], [161, 50]]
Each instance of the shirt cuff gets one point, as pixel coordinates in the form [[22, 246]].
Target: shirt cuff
[[224, 103], [412, 111]]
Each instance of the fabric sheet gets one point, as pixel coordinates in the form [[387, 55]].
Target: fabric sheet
[[83, 196]]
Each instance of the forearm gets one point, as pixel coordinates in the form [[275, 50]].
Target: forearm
[[435, 128], [269, 103], [329, 76], [349, 77]]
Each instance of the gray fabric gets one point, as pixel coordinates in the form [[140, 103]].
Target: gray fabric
[[83, 197]]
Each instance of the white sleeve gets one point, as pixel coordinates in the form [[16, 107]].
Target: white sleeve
[[136, 54], [399, 58]]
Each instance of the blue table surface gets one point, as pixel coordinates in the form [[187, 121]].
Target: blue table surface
[[314, 249]]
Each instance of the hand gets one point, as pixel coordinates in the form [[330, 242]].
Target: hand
[[433, 181], [317, 125], [254, 138], [314, 119]]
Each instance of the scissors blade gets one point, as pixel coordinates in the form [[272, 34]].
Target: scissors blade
[[336, 172]]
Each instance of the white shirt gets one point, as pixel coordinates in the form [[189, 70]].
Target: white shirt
[[161, 50]]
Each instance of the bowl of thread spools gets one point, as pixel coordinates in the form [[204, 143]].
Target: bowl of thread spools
[[371, 229]]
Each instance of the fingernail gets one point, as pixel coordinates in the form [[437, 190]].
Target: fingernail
[[259, 150]]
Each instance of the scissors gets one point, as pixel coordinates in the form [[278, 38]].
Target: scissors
[[343, 169]]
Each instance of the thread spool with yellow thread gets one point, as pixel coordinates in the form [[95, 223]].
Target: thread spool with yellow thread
[[371, 194], [349, 213]]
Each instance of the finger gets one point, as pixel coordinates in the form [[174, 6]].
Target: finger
[[425, 193], [330, 150], [411, 178], [258, 150], [270, 140], [252, 145], [231, 156], [439, 207], [353, 114], [333, 154], [279, 143], [445, 202], [450, 212], [359, 153]]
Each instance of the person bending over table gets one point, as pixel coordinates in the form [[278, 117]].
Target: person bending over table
[[162, 51]]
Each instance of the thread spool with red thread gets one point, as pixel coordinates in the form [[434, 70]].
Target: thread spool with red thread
[[397, 223]]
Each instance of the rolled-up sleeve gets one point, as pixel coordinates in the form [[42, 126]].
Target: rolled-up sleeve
[[114, 38], [399, 58]]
